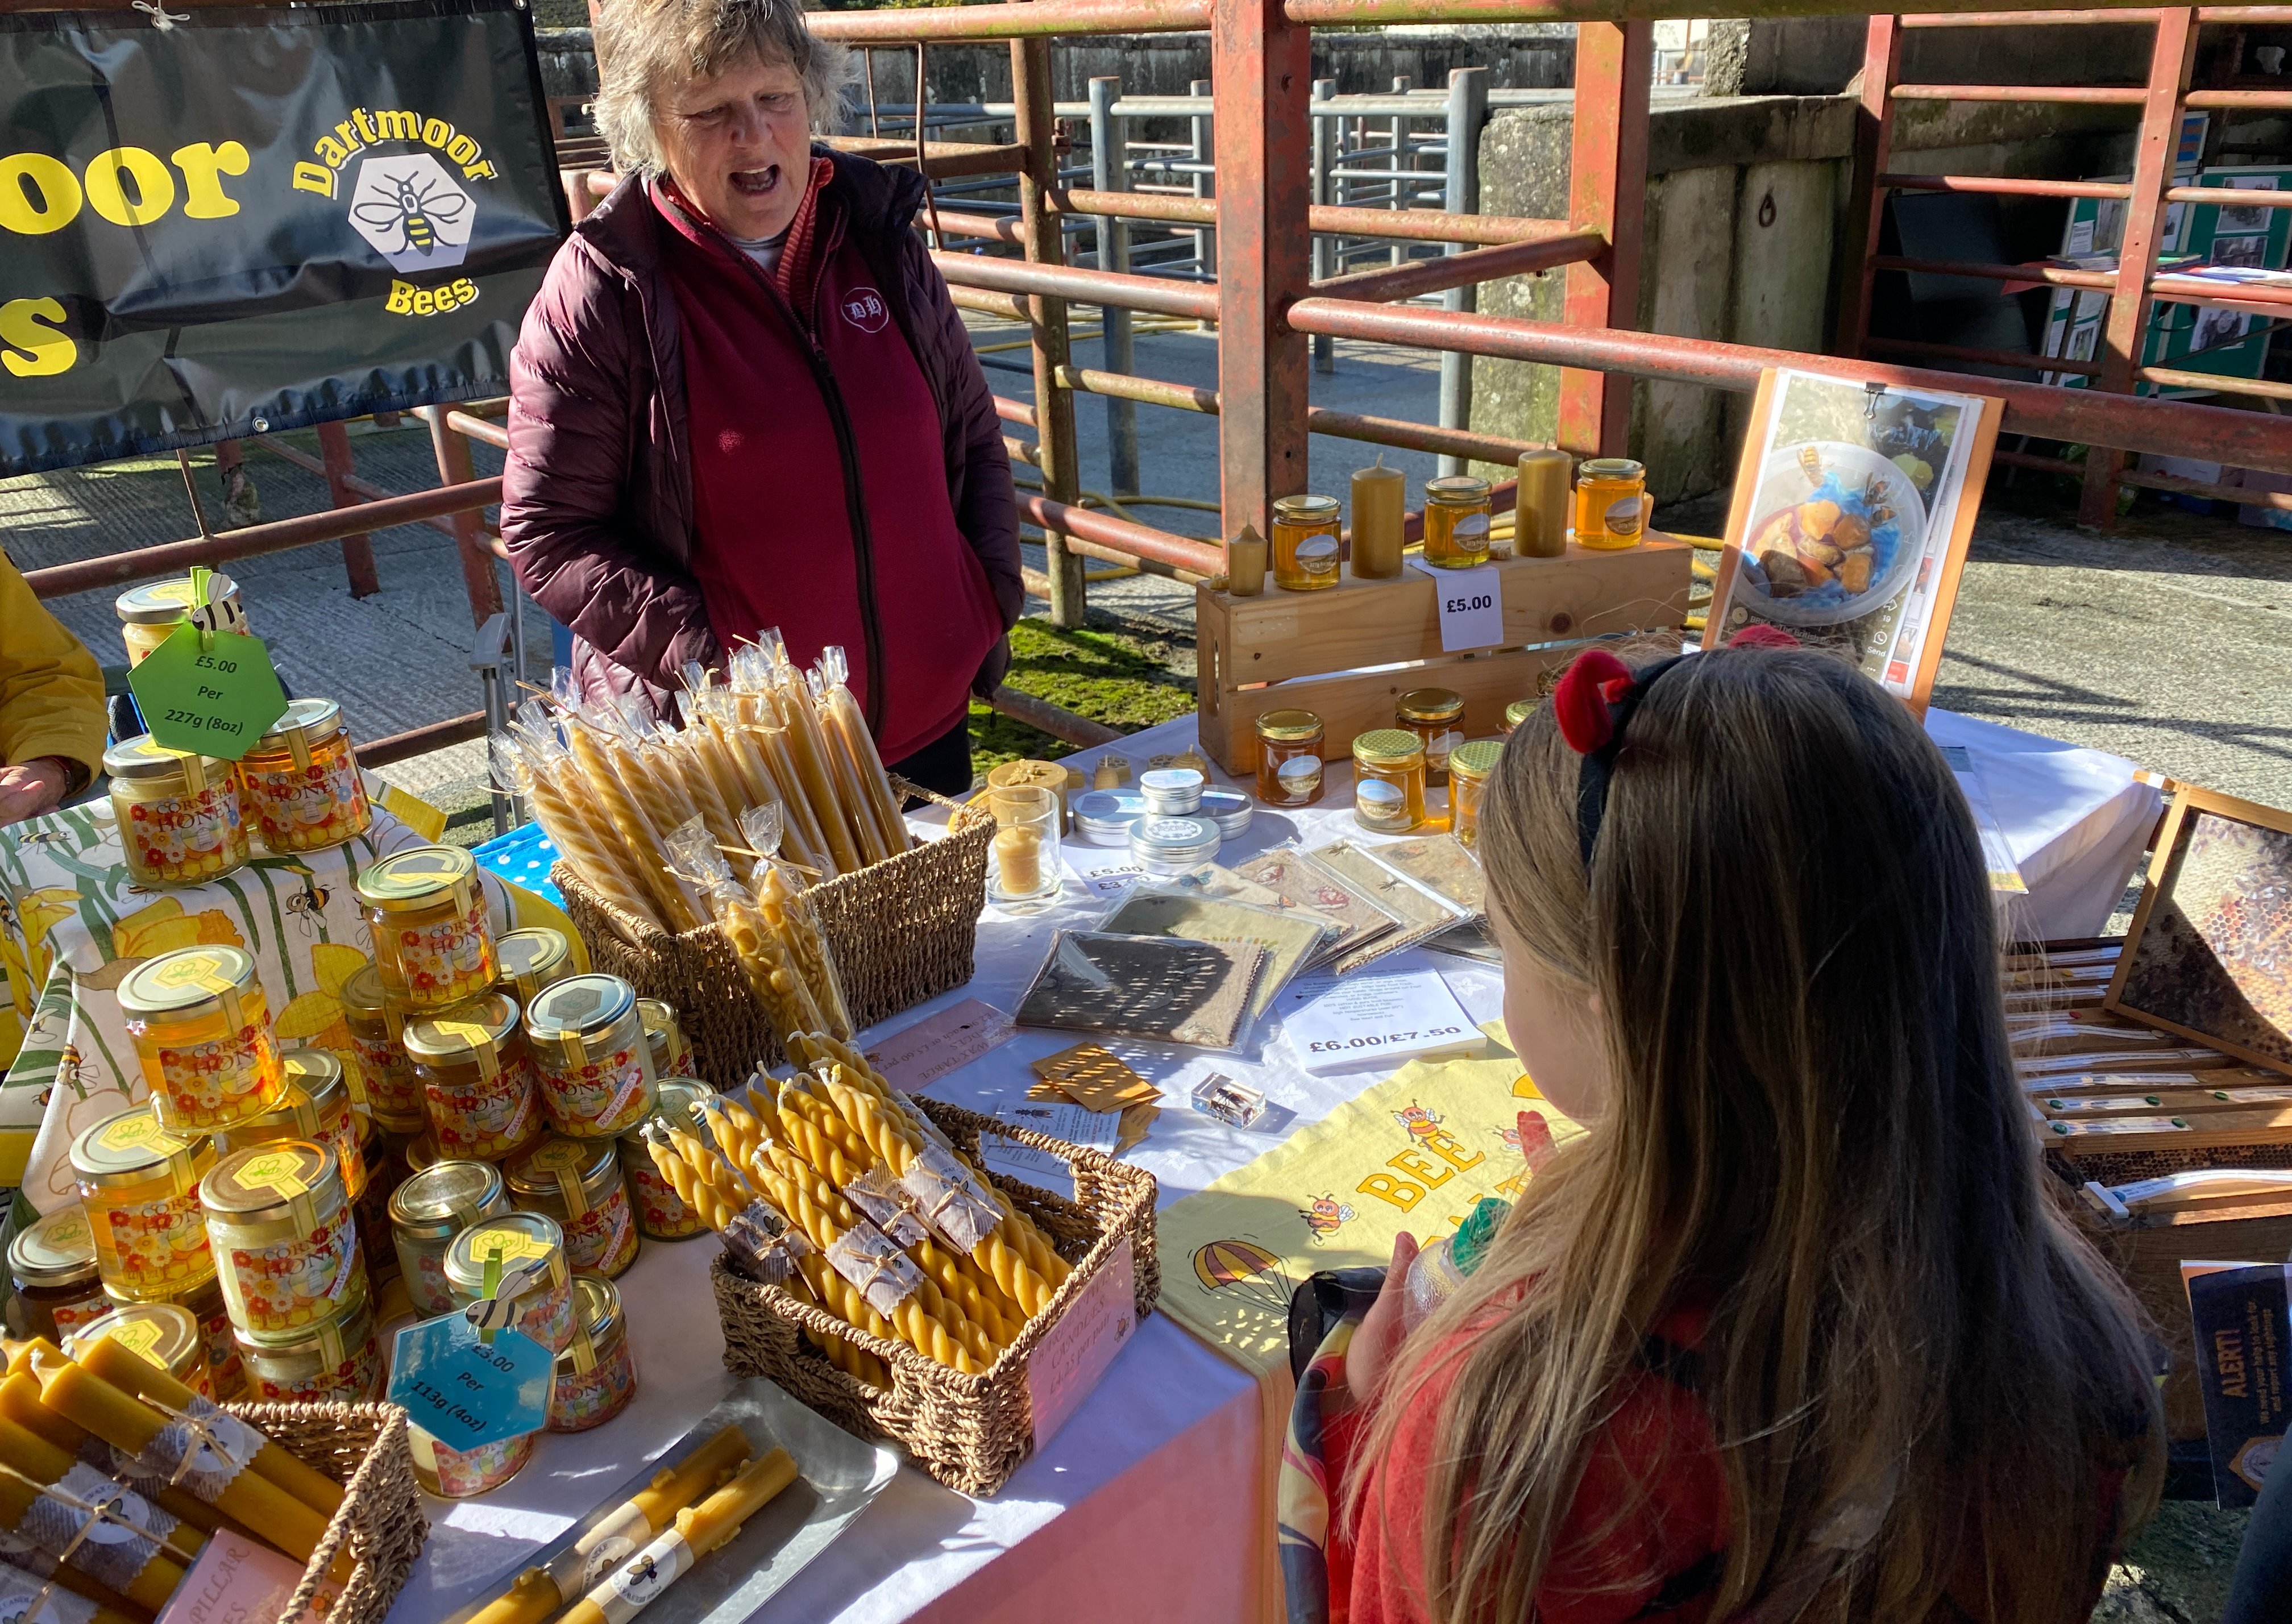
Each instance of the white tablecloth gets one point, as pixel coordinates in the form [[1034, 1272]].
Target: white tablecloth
[[1145, 1506]]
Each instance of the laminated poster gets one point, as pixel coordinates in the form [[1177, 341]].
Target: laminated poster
[[2242, 1334]]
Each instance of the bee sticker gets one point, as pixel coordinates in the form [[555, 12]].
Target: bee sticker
[[412, 211]]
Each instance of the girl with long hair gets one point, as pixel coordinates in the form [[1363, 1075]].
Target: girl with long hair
[[1795, 1331]]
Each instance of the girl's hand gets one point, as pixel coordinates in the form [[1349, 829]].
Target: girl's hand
[[1380, 1330]]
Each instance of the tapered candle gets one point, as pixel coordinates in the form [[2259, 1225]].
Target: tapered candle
[[1544, 503], [19, 1402], [132, 1373], [699, 1530], [43, 1462], [154, 1582], [1380, 494]]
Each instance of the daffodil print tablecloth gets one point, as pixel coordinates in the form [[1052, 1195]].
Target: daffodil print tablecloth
[[72, 923]]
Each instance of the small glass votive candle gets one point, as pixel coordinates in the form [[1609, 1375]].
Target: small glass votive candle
[[1026, 868]]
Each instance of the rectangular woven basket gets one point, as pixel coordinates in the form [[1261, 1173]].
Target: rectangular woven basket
[[900, 931], [364, 1448], [969, 1432]]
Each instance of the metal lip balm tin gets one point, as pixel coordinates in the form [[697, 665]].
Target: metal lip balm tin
[[1229, 809], [1104, 817], [1173, 845], [1173, 792]]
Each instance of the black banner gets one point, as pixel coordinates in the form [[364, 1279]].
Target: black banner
[[247, 221]]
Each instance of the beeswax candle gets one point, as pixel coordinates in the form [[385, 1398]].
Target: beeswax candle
[[1545, 503], [699, 1530], [1379, 495], [43, 1462], [19, 1402], [152, 1584]]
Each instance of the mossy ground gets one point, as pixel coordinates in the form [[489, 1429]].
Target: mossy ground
[[1111, 675]]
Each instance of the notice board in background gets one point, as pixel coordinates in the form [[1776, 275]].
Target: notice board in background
[[250, 220]]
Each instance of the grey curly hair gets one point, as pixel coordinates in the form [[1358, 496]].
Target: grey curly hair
[[642, 45]]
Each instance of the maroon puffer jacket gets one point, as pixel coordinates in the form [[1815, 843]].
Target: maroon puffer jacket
[[597, 499]]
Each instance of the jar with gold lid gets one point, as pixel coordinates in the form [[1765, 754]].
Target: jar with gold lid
[[202, 1032], [301, 783], [179, 816], [529, 960], [1289, 757], [660, 1213], [477, 1079], [672, 1056], [158, 1333], [543, 1311], [577, 1181], [1457, 521], [421, 1153], [205, 1303], [286, 1244], [336, 1360], [53, 1264], [1388, 781], [432, 941], [428, 1211], [457, 1474], [1518, 712], [1437, 717], [393, 1094], [590, 1053], [316, 1106], [1470, 767], [1611, 504], [150, 612], [140, 1184], [1304, 545], [595, 1377]]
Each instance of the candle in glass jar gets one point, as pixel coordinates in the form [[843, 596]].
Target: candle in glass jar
[[1380, 495], [1542, 510], [1018, 859]]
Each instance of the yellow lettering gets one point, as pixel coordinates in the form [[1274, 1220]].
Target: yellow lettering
[[461, 149], [203, 165], [37, 194], [402, 298], [1432, 1172], [467, 289], [426, 304], [484, 171], [401, 125], [359, 117], [333, 151], [106, 191], [437, 133], [314, 177], [34, 327], [350, 136], [1453, 1151], [1399, 1191]]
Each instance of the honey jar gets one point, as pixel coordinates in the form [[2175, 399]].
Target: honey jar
[[159, 1334], [456, 1475], [544, 1311], [1470, 766], [204, 1303], [140, 1184], [529, 960], [1457, 521], [316, 1106], [577, 1181], [149, 613], [477, 1079], [672, 1056], [1389, 780], [428, 1211], [202, 1032], [336, 1361], [286, 1243], [1437, 717], [300, 785], [1289, 757], [1304, 545], [1611, 504], [427, 911], [393, 1094], [595, 1377], [179, 817], [590, 1053], [421, 1153], [660, 1213], [1518, 712], [53, 1264]]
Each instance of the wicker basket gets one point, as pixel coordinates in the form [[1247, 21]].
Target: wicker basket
[[381, 1524], [900, 931], [969, 1432]]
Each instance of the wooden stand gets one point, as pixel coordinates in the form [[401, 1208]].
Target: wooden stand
[[1316, 649]]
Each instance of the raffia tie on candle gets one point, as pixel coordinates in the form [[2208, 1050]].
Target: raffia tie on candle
[[180, 1450], [43, 1604], [63, 1520]]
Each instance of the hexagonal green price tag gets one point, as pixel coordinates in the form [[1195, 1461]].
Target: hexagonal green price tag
[[212, 692]]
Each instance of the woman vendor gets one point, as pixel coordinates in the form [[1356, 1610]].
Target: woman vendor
[[744, 398]]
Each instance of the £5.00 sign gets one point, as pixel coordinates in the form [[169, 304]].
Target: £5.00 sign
[[1471, 607]]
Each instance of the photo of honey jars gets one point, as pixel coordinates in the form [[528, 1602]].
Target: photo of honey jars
[[205, 1303], [595, 1377], [456, 1474], [1611, 505], [1388, 781], [284, 1242], [427, 1212], [179, 816], [1437, 717], [300, 786], [577, 1183], [661, 1214], [316, 1106], [1289, 757], [671, 1056], [336, 1360], [476, 1081], [140, 1184], [590, 1053], [158, 1333], [1457, 521], [149, 613], [1304, 545], [530, 959], [202, 1032], [1470, 766], [393, 1094], [427, 910], [53, 1264], [543, 1311]]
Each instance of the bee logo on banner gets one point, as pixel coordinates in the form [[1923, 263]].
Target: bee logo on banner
[[250, 220]]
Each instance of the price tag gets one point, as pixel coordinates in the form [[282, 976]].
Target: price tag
[[1471, 607], [465, 1394], [919, 1055], [1335, 1025], [215, 693]]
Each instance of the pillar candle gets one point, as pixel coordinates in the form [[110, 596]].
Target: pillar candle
[[1245, 563], [1540, 517], [42, 1461], [1018, 858], [1379, 495], [19, 1402]]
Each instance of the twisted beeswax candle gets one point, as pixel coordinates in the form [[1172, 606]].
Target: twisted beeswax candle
[[42, 1461], [19, 1402], [699, 1530]]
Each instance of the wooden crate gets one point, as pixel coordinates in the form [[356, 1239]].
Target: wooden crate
[[1313, 649]]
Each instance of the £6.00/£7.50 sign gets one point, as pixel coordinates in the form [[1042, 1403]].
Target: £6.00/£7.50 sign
[[204, 691]]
